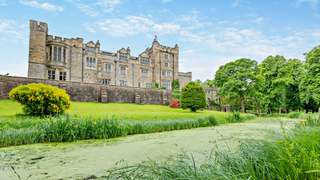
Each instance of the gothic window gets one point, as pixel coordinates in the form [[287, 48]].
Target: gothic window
[[87, 49], [63, 76], [94, 62], [106, 81], [144, 60], [144, 72], [59, 54], [168, 73], [88, 62], [55, 57], [123, 83], [166, 84], [123, 56], [51, 74], [163, 73], [148, 85], [166, 56], [123, 70], [166, 64], [108, 68]]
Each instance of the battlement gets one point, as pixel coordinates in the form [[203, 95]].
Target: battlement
[[188, 74], [156, 44], [42, 27]]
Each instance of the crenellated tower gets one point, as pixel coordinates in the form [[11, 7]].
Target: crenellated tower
[[37, 49]]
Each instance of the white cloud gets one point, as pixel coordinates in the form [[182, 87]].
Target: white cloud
[[316, 15], [166, 28], [316, 33], [45, 6], [258, 20], [88, 10], [13, 32], [236, 3], [312, 3], [191, 19], [149, 36], [164, 1], [109, 5], [3, 2], [129, 26]]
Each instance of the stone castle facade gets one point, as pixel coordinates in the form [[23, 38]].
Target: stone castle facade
[[73, 60]]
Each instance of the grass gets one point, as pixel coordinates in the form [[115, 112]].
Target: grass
[[8, 109], [291, 154], [96, 121]]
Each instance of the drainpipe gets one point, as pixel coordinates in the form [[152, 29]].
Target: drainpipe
[[70, 63], [115, 72]]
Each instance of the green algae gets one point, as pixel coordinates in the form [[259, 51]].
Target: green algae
[[78, 160]]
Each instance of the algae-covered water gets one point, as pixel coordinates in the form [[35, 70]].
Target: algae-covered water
[[82, 159]]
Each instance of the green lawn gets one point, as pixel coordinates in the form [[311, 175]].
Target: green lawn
[[8, 109]]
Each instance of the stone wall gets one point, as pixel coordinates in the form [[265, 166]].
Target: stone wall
[[89, 92]]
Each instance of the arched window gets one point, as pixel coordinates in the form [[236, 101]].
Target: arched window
[[55, 57], [94, 62], [88, 63], [59, 54]]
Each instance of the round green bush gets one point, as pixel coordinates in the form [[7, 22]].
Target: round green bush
[[193, 97], [40, 99]]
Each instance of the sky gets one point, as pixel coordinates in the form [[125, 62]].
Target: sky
[[209, 33]]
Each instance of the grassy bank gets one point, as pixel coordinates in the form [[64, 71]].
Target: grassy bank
[[291, 154], [8, 109]]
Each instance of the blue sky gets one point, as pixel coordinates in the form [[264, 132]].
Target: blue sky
[[209, 33]]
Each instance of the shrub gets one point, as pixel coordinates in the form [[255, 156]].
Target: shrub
[[141, 104], [234, 117], [40, 99], [175, 84], [193, 97], [175, 103], [175, 94], [294, 114], [163, 88]]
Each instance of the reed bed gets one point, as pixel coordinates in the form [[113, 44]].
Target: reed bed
[[291, 154], [67, 128]]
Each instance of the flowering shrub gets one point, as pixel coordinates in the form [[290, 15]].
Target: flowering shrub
[[175, 103], [40, 99]]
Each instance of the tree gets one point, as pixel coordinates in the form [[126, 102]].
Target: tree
[[294, 70], [309, 86], [276, 79], [193, 97], [198, 81], [237, 80], [209, 83], [175, 84]]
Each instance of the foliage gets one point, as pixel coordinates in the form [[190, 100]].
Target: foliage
[[309, 85], [163, 88], [73, 128], [175, 94], [175, 85], [156, 84], [238, 79], [234, 117], [291, 154], [209, 83], [198, 81], [311, 106], [274, 70], [193, 97], [175, 103], [294, 114], [294, 70], [216, 104], [40, 99]]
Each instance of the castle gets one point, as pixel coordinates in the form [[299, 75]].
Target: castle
[[73, 60]]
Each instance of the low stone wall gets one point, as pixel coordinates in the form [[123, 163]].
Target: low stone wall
[[88, 92]]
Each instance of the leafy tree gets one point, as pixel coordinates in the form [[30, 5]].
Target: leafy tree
[[276, 78], [238, 79], [175, 84], [309, 86], [209, 83], [294, 69], [198, 81], [310, 106], [193, 97]]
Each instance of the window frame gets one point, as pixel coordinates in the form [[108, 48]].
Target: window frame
[[51, 74], [105, 67], [123, 70], [123, 56]]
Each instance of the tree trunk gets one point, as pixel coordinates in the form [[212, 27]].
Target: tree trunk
[[242, 103], [268, 112]]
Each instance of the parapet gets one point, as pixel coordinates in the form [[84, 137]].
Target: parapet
[[42, 27], [164, 48], [188, 74]]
